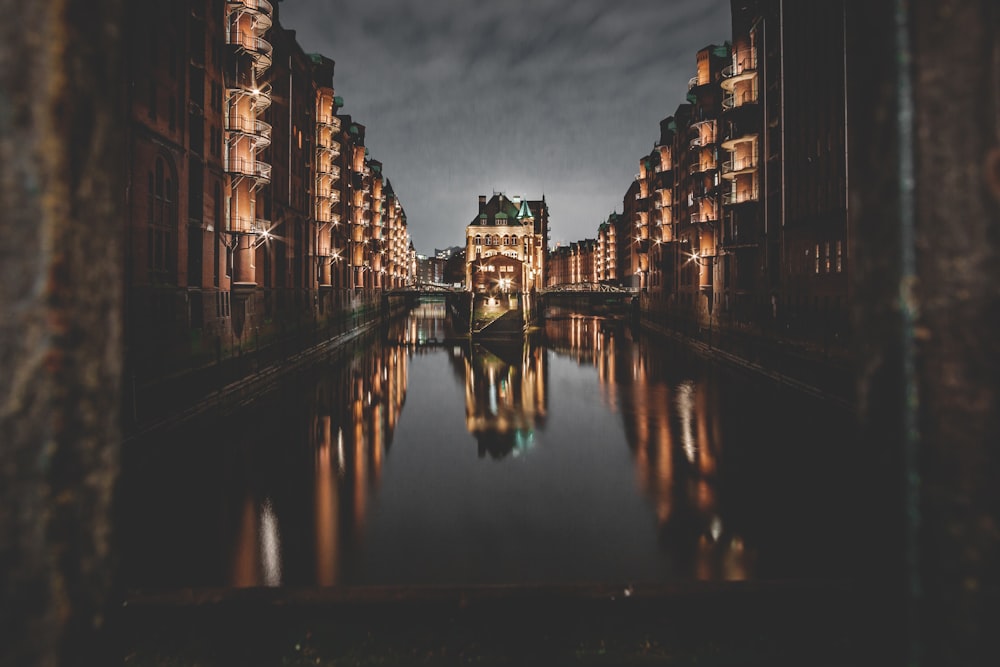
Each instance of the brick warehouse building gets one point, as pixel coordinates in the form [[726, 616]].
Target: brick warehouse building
[[759, 242], [737, 218], [254, 212], [509, 227]]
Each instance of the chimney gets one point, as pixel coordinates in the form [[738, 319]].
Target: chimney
[[482, 203]]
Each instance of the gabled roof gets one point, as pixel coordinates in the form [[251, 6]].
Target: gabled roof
[[502, 210]]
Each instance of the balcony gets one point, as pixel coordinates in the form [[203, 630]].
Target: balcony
[[328, 194], [260, 98], [258, 47], [698, 167], [703, 216], [331, 149], [246, 225], [739, 197], [261, 10], [325, 143], [737, 136], [741, 165], [744, 67], [693, 82], [252, 127], [261, 171], [734, 101], [330, 121], [330, 170], [708, 123]]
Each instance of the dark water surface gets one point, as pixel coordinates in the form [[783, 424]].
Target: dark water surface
[[589, 453]]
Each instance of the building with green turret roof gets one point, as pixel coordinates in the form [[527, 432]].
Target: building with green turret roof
[[504, 248]]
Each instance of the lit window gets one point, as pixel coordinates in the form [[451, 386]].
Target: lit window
[[817, 258], [840, 256]]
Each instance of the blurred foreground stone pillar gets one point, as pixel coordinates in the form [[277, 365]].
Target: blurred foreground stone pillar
[[924, 117], [61, 188]]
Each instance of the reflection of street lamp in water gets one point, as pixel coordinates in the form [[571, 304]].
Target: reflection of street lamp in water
[[504, 284]]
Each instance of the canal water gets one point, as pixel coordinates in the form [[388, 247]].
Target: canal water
[[587, 453]]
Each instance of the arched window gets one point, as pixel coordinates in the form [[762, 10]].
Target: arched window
[[162, 213], [478, 240]]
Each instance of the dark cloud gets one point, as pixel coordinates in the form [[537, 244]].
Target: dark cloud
[[462, 97]]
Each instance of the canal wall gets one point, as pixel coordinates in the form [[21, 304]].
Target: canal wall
[[231, 370], [817, 363]]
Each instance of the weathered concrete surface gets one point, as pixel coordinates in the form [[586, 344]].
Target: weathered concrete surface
[[60, 344]]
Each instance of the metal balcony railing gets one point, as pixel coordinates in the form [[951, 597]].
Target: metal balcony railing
[[250, 126], [329, 144], [692, 82], [249, 167], [261, 10], [739, 196], [744, 61], [332, 151], [260, 48], [330, 121], [732, 101], [739, 164], [331, 170], [247, 225], [704, 216]]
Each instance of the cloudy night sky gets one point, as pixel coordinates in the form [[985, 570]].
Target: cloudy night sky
[[528, 97]]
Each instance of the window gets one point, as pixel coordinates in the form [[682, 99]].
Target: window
[[826, 257], [840, 256], [217, 225], [817, 258], [162, 211]]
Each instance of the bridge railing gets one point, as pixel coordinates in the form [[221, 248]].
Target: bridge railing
[[590, 287]]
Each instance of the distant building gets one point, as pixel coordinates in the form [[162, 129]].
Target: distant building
[[430, 269], [559, 273], [505, 245], [448, 253], [606, 260]]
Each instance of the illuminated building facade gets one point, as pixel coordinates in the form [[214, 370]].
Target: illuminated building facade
[[505, 245], [607, 260], [239, 224], [737, 218], [696, 211], [559, 260], [662, 254]]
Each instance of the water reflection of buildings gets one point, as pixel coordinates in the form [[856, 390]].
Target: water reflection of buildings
[[505, 399], [353, 412], [673, 427]]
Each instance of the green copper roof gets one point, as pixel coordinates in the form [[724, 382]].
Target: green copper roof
[[501, 214], [338, 101], [525, 212], [692, 98], [721, 51]]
